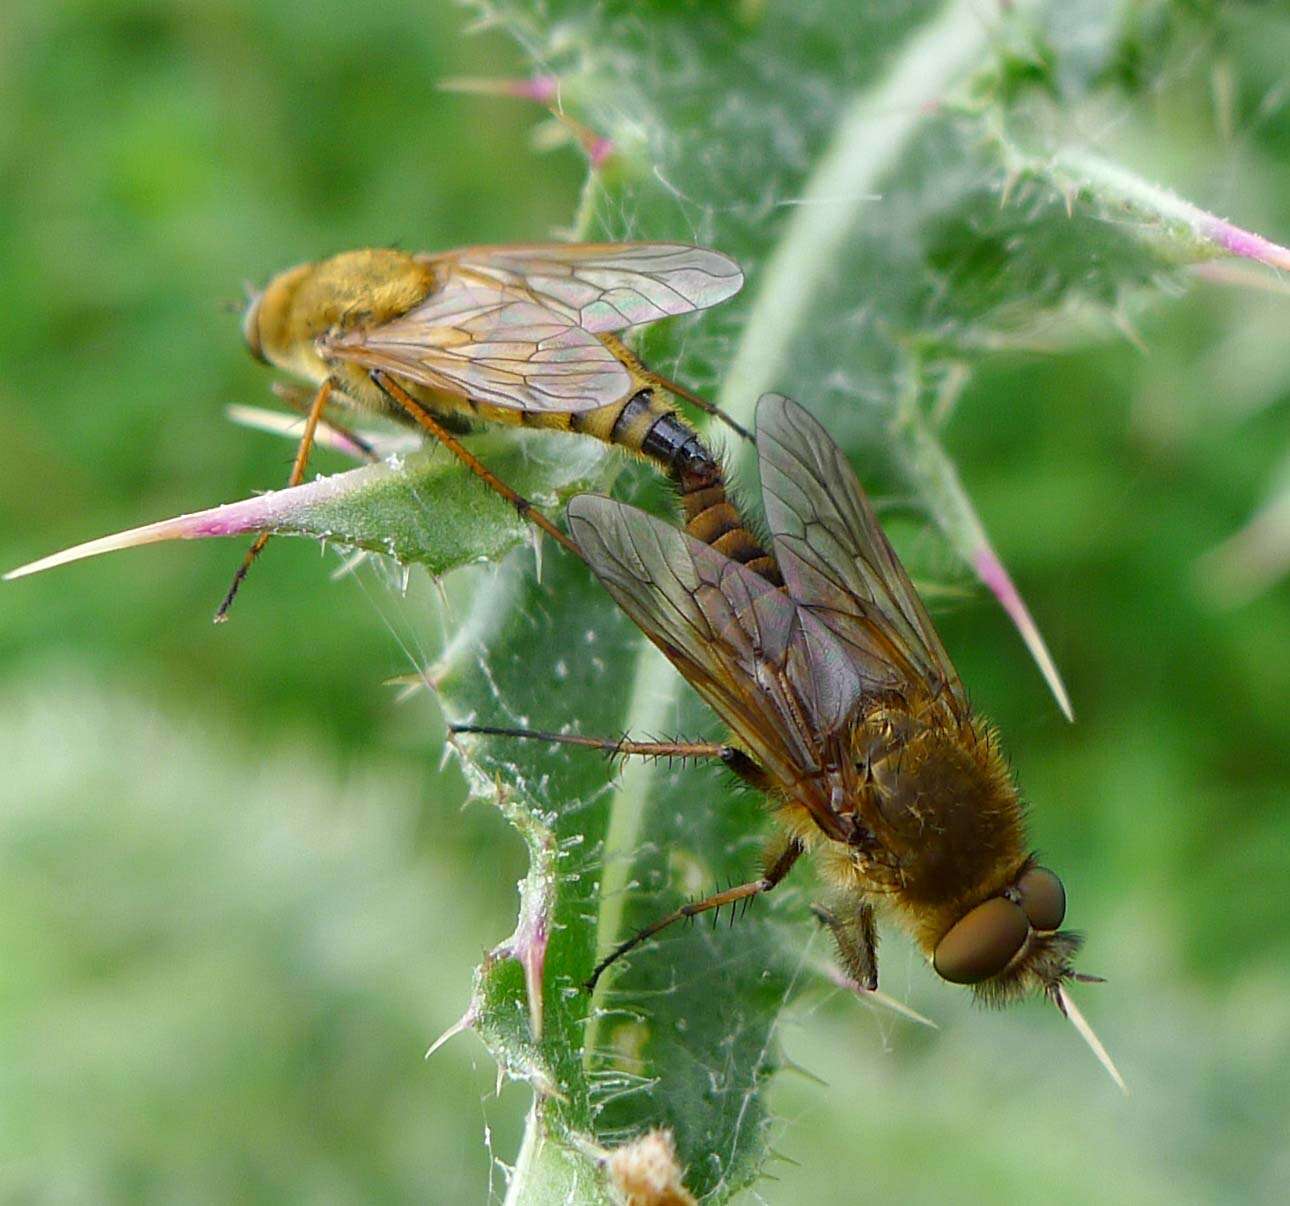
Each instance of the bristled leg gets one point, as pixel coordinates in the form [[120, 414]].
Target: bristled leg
[[851, 922], [778, 866], [525, 509]]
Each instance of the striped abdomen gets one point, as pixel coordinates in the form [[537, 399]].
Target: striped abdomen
[[648, 426]]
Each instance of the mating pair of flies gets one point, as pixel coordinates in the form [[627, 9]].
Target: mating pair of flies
[[814, 648]]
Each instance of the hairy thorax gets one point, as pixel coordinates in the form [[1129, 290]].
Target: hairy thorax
[[939, 799], [355, 289]]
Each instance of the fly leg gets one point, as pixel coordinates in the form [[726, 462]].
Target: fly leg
[[526, 510], [856, 934], [734, 758], [297, 476], [613, 746], [777, 867], [779, 858]]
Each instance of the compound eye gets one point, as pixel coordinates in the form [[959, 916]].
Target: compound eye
[[251, 328], [981, 944], [1042, 897]]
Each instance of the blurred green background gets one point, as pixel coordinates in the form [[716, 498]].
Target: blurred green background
[[240, 896]]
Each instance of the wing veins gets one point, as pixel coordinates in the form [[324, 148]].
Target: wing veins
[[836, 559]]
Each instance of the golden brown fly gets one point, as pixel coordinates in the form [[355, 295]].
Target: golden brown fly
[[846, 714], [521, 335]]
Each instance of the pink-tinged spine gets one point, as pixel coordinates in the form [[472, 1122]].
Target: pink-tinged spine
[[938, 482], [265, 512], [529, 944], [1244, 243], [275, 422], [597, 147], [1081, 171], [541, 89], [872, 996], [991, 571], [467, 1021]]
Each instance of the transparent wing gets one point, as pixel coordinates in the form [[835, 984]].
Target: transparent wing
[[772, 671], [606, 287], [486, 342], [836, 561]]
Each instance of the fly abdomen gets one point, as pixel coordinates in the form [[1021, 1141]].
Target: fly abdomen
[[710, 516], [647, 425]]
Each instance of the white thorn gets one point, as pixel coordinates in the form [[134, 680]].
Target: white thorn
[[349, 565], [874, 997], [463, 1023], [1077, 1019], [152, 533], [871, 996], [537, 555]]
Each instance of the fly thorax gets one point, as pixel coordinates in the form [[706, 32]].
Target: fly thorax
[[945, 804], [357, 289]]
